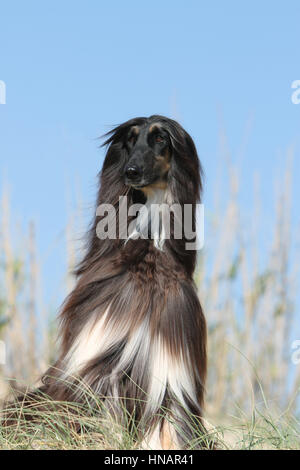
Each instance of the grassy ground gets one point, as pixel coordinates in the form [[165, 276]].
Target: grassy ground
[[87, 426], [264, 433]]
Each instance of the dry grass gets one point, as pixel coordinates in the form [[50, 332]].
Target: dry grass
[[42, 423], [60, 425]]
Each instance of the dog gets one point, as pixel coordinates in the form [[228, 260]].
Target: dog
[[133, 328]]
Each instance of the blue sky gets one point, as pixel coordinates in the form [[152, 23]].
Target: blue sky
[[72, 69]]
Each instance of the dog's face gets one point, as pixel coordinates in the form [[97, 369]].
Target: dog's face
[[152, 153], [149, 155]]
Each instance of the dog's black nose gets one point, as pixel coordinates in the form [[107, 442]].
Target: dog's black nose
[[132, 172]]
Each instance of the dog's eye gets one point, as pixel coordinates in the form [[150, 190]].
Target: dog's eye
[[159, 138]]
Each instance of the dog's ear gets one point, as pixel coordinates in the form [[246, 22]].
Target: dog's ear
[[194, 167], [185, 175], [117, 152], [116, 140], [115, 157]]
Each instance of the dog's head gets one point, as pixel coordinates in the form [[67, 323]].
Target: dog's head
[[155, 153]]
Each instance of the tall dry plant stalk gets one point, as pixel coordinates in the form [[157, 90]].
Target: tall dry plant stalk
[[32, 317], [20, 315], [14, 336]]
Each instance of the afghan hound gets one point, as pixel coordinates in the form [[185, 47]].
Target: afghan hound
[[133, 328]]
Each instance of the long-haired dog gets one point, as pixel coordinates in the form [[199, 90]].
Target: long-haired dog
[[133, 328]]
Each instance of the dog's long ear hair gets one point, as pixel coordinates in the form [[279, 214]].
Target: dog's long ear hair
[[185, 175], [184, 184]]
